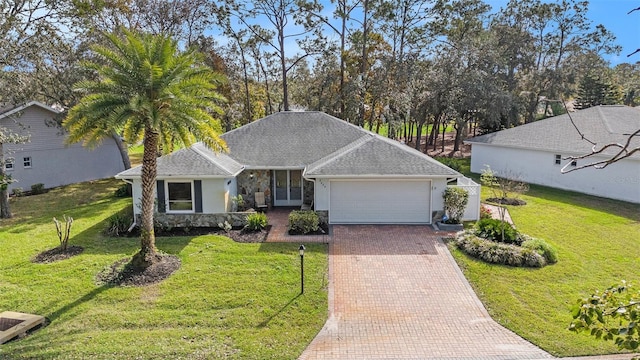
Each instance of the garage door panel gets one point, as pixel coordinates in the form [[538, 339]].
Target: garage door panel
[[380, 202]]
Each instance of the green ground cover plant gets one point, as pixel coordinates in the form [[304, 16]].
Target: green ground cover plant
[[596, 242], [227, 300]]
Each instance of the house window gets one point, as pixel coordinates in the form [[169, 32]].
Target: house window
[[558, 159], [574, 163], [26, 162], [179, 196], [8, 164]]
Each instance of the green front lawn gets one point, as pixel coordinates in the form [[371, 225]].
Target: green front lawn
[[228, 300], [598, 243]]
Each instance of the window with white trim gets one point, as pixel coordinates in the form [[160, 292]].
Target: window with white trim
[[8, 164], [179, 196], [26, 162], [558, 159]]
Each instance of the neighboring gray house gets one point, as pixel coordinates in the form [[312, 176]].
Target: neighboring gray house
[[534, 152], [344, 172], [45, 158]]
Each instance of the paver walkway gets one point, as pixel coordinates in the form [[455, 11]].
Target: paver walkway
[[396, 293]]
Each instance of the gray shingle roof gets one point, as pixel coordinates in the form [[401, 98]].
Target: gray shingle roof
[[290, 139], [198, 160], [601, 124], [325, 145], [378, 156]]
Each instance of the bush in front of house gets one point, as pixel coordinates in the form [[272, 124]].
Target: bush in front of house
[[498, 253], [256, 221], [303, 221], [497, 230], [119, 223], [37, 189], [455, 201]]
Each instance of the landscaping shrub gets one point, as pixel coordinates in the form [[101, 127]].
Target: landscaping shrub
[[123, 191], [541, 247], [37, 189], [455, 201], [303, 221], [256, 221], [497, 230], [17, 192], [118, 223], [485, 213], [498, 253]]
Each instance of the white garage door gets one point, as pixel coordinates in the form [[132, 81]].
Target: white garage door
[[380, 202]]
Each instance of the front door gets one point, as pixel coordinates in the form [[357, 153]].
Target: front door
[[287, 187]]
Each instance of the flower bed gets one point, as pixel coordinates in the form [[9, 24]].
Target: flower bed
[[526, 252]]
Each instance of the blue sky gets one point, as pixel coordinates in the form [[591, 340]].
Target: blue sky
[[613, 15]]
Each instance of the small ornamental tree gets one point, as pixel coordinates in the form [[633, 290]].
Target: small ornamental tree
[[611, 315], [455, 202], [63, 231]]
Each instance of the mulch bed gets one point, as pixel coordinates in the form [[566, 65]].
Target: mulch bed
[[246, 236], [507, 201], [57, 254], [120, 274], [238, 235]]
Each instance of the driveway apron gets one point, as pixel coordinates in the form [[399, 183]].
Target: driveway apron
[[396, 293]]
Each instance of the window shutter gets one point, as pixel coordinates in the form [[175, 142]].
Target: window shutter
[[197, 187], [162, 206]]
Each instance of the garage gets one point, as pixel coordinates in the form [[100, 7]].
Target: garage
[[380, 202]]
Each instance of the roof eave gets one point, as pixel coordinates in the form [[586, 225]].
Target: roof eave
[[29, 104], [378, 176]]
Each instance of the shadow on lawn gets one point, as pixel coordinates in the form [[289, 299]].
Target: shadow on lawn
[[94, 242], [70, 306], [615, 207], [268, 320]]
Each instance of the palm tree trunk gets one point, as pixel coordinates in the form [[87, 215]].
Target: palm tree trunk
[[124, 154], [148, 252]]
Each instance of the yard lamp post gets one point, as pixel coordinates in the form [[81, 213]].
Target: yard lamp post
[[301, 249]]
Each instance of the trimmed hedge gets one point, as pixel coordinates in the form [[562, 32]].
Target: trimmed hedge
[[304, 221], [501, 253]]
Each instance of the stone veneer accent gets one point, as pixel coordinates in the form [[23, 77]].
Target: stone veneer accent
[[308, 192], [236, 219], [248, 186], [323, 216]]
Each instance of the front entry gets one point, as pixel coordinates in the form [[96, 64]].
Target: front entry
[[287, 187]]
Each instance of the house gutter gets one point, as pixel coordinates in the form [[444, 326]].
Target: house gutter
[[134, 210]]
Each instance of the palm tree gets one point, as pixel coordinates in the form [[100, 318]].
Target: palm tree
[[147, 89]]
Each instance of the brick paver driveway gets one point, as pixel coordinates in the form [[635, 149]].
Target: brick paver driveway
[[397, 294]]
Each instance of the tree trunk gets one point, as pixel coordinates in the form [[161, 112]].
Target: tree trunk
[[444, 130], [5, 209], [124, 154], [418, 132], [148, 252]]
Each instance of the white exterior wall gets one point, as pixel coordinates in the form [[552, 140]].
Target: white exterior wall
[[54, 163], [438, 186], [321, 194], [619, 181], [214, 195]]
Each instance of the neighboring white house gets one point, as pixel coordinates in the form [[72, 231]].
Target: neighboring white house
[[534, 152], [349, 174], [45, 158]]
